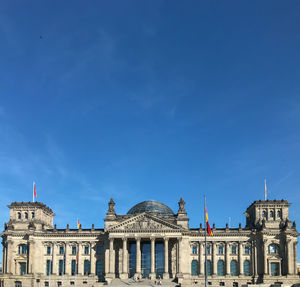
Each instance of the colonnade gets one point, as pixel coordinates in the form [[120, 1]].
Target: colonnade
[[124, 272]]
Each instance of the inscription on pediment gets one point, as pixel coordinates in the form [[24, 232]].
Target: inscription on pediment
[[144, 223]]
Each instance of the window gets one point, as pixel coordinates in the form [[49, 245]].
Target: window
[[194, 249], [72, 282], [98, 250], [247, 250], [73, 267], [23, 268], [99, 269], [86, 250], [220, 249], [207, 249], [194, 268], [233, 268], [73, 250], [61, 267], [278, 213], [271, 213], [58, 283], [46, 284], [18, 284], [208, 267], [61, 250], [247, 268], [23, 249], [19, 217], [221, 283], [32, 215], [273, 249], [233, 249], [274, 269], [220, 268], [87, 267], [48, 267], [264, 214], [48, 250], [235, 284], [26, 215], [84, 282]]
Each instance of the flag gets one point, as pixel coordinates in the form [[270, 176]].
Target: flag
[[207, 223], [78, 223], [265, 189], [34, 192]]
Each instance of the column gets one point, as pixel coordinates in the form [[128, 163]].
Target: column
[[295, 257], [289, 257], [166, 258], [214, 258], [265, 248], [10, 257], [255, 259], [67, 259], [227, 258], [180, 255], [124, 259], [240, 259], [54, 261], [30, 261], [93, 259], [79, 261], [4, 258], [111, 257], [152, 274], [138, 256], [201, 262]]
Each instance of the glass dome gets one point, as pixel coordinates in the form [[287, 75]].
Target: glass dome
[[151, 206]]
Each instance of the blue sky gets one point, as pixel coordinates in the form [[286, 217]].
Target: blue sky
[[140, 100]]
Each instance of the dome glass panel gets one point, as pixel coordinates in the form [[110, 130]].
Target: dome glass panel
[[151, 206]]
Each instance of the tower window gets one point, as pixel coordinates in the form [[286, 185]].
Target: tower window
[[48, 250], [271, 213], [61, 250], [32, 215], [73, 250], [26, 215], [264, 214], [86, 250], [278, 214], [19, 215]]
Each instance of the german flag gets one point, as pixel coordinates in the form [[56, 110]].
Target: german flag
[[207, 223]]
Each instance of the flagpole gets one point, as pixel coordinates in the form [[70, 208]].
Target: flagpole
[[205, 248], [265, 189], [33, 191]]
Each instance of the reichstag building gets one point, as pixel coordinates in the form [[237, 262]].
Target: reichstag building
[[149, 242]]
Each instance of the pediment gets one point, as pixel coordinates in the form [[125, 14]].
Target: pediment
[[145, 222]]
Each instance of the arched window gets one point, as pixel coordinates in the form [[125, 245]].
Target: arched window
[[278, 214], [73, 267], [208, 267], [264, 214], [271, 213], [273, 249], [26, 215], [18, 284], [220, 268], [87, 267], [194, 267], [233, 268], [19, 215], [221, 249], [23, 249], [194, 249], [247, 268], [32, 215]]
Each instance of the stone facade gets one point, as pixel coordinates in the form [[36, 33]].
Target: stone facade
[[149, 241]]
